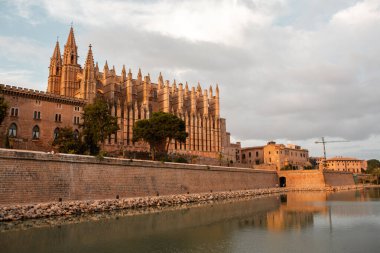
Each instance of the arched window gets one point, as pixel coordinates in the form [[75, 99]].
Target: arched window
[[12, 132], [36, 132], [56, 133], [76, 134]]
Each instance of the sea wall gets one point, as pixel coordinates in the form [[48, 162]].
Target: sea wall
[[36, 177], [303, 178], [335, 178], [313, 179]]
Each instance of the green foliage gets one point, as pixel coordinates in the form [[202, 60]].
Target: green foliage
[[180, 160], [376, 173], [159, 131], [372, 164], [68, 142], [287, 167], [3, 109], [97, 125]]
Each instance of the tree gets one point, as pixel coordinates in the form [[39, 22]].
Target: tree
[[68, 141], [3, 109], [372, 164], [376, 173], [159, 131], [97, 125]]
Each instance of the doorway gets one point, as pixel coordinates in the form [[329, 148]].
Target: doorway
[[282, 181]]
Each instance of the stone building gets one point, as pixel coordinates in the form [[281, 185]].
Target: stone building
[[275, 156], [71, 87], [34, 117], [349, 164]]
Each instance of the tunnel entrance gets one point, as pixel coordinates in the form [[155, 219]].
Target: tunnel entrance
[[282, 181]]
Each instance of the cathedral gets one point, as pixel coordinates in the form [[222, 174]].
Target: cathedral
[[72, 86]]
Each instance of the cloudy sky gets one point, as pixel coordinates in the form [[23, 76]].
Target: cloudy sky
[[288, 70]]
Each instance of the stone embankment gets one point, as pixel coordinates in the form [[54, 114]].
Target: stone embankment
[[44, 210]]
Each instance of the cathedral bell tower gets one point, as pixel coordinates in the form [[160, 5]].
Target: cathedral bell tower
[[88, 84], [55, 71], [70, 68]]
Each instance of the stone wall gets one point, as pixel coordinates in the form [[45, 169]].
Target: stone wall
[[32, 177], [315, 178], [338, 178], [303, 178]]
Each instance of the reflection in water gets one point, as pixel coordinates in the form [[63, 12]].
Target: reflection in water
[[295, 222]]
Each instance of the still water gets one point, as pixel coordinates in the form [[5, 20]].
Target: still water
[[294, 222]]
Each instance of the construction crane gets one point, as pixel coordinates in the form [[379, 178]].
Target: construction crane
[[324, 148]]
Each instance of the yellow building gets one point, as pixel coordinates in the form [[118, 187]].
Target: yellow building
[[275, 156], [349, 164]]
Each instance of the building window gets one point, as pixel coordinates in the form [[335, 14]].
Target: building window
[[38, 102], [36, 133], [257, 153], [36, 115], [243, 156], [14, 112], [12, 132], [57, 117], [76, 120], [59, 106], [76, 108], [249, 154], [56, 133]]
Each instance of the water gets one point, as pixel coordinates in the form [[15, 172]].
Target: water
[[295, 222]]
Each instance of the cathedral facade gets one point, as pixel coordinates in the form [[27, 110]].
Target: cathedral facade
[[130, 99]]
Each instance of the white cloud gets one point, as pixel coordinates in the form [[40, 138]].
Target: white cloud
[[362, 13], [313, 73]]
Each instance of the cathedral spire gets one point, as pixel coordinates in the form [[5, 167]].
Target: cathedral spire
[[56, 54], [129, 74], [105, 70], [123, 74], [71, 39], [139, 75], [88, 84], [70, 54], [55, 70], [90, 58]]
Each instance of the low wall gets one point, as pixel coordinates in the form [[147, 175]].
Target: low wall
[[35, 177], [316, 178], [303, 178], [335, 178]]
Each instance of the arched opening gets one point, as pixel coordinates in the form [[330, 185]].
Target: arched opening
[[56, 133], [12, 131], [76, 134], [282, 181], [36, 132]]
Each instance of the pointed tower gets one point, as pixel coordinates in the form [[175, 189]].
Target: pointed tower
[[123, 76], [160, 81], [129, 88], [105, 71], [88, 85], [55, 71], [139, 75], [70, 68], [217, 108]]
